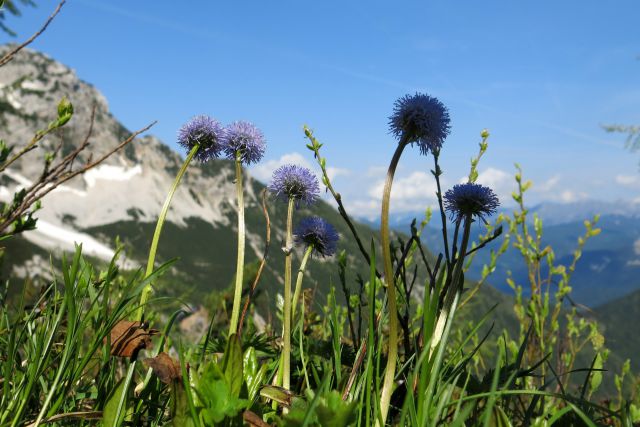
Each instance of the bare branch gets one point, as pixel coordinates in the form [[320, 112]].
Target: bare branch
[[61, 173], [9, 56]]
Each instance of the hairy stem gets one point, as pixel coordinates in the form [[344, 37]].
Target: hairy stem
[[237, 296], [286, 371], [144, 297], [387, 385]]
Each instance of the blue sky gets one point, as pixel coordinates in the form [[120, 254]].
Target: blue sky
[[541, 76]]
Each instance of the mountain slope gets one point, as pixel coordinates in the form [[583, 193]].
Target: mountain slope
[[123, 197]]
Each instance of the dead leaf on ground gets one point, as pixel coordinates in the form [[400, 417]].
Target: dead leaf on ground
[[166, 368], [129, 337], [252, 419]]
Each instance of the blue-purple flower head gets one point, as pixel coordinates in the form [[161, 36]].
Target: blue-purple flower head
[[245, 138], [295, 182], [470, 199], [318, 233], [204, 131], [422, 119]]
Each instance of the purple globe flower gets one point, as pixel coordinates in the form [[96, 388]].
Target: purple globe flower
[[470, 199], [318, 233], [246, 138], [293, 181], [422, 119], [204, 131]]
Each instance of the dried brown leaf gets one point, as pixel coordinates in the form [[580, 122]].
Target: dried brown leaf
[[166, 368], [252, 419], [129, 337]]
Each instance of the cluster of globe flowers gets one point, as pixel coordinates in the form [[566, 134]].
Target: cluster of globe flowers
[[205, 138], [417, 119], [425, 121]]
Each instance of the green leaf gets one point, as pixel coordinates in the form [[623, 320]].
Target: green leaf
[[219, 402], [253, 373], [596, 375], [111, 408], [214, 390], [332, 411], [180, 414], [232, 365], [499, 418]]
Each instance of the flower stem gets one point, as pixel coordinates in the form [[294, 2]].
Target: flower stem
[[144, 297], [286, 371], [387, 384], [303, 266], [455, 286], [235, 313]]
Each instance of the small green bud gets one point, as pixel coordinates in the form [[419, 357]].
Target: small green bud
[[484, 134], [65, 107]]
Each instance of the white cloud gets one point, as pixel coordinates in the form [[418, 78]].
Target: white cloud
[[335, 172], [414, 187], [410, 193], [502, 183], [628, 180], [264, 170], [569, 196], [376, 171], [547, 186]]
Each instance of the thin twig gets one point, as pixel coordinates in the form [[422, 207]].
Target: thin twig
[[262, 262], [315, 147], [9, 56], [354, 369], [57, 175], [84, 415]]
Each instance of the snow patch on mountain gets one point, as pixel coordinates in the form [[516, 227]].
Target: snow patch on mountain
[[110, 173]]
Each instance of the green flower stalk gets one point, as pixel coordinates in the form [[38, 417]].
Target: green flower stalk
[[317, 236], [244, 144], [389, 279], [286, 359], [201, 136], [237, 295], [294, 184], [423, 120], [463, 202]]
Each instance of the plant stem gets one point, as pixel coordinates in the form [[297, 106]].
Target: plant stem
[[156, 235], [455, 286], [296, 293], [437, 172], [286, 371], [235, 313], [387, 385]]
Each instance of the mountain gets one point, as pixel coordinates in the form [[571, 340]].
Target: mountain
[[618, 319], [608, 268], [123, 196]]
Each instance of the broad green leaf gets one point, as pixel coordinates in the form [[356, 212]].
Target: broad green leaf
[[180, 414], [232, 365], [253, 373], [111, 408]]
